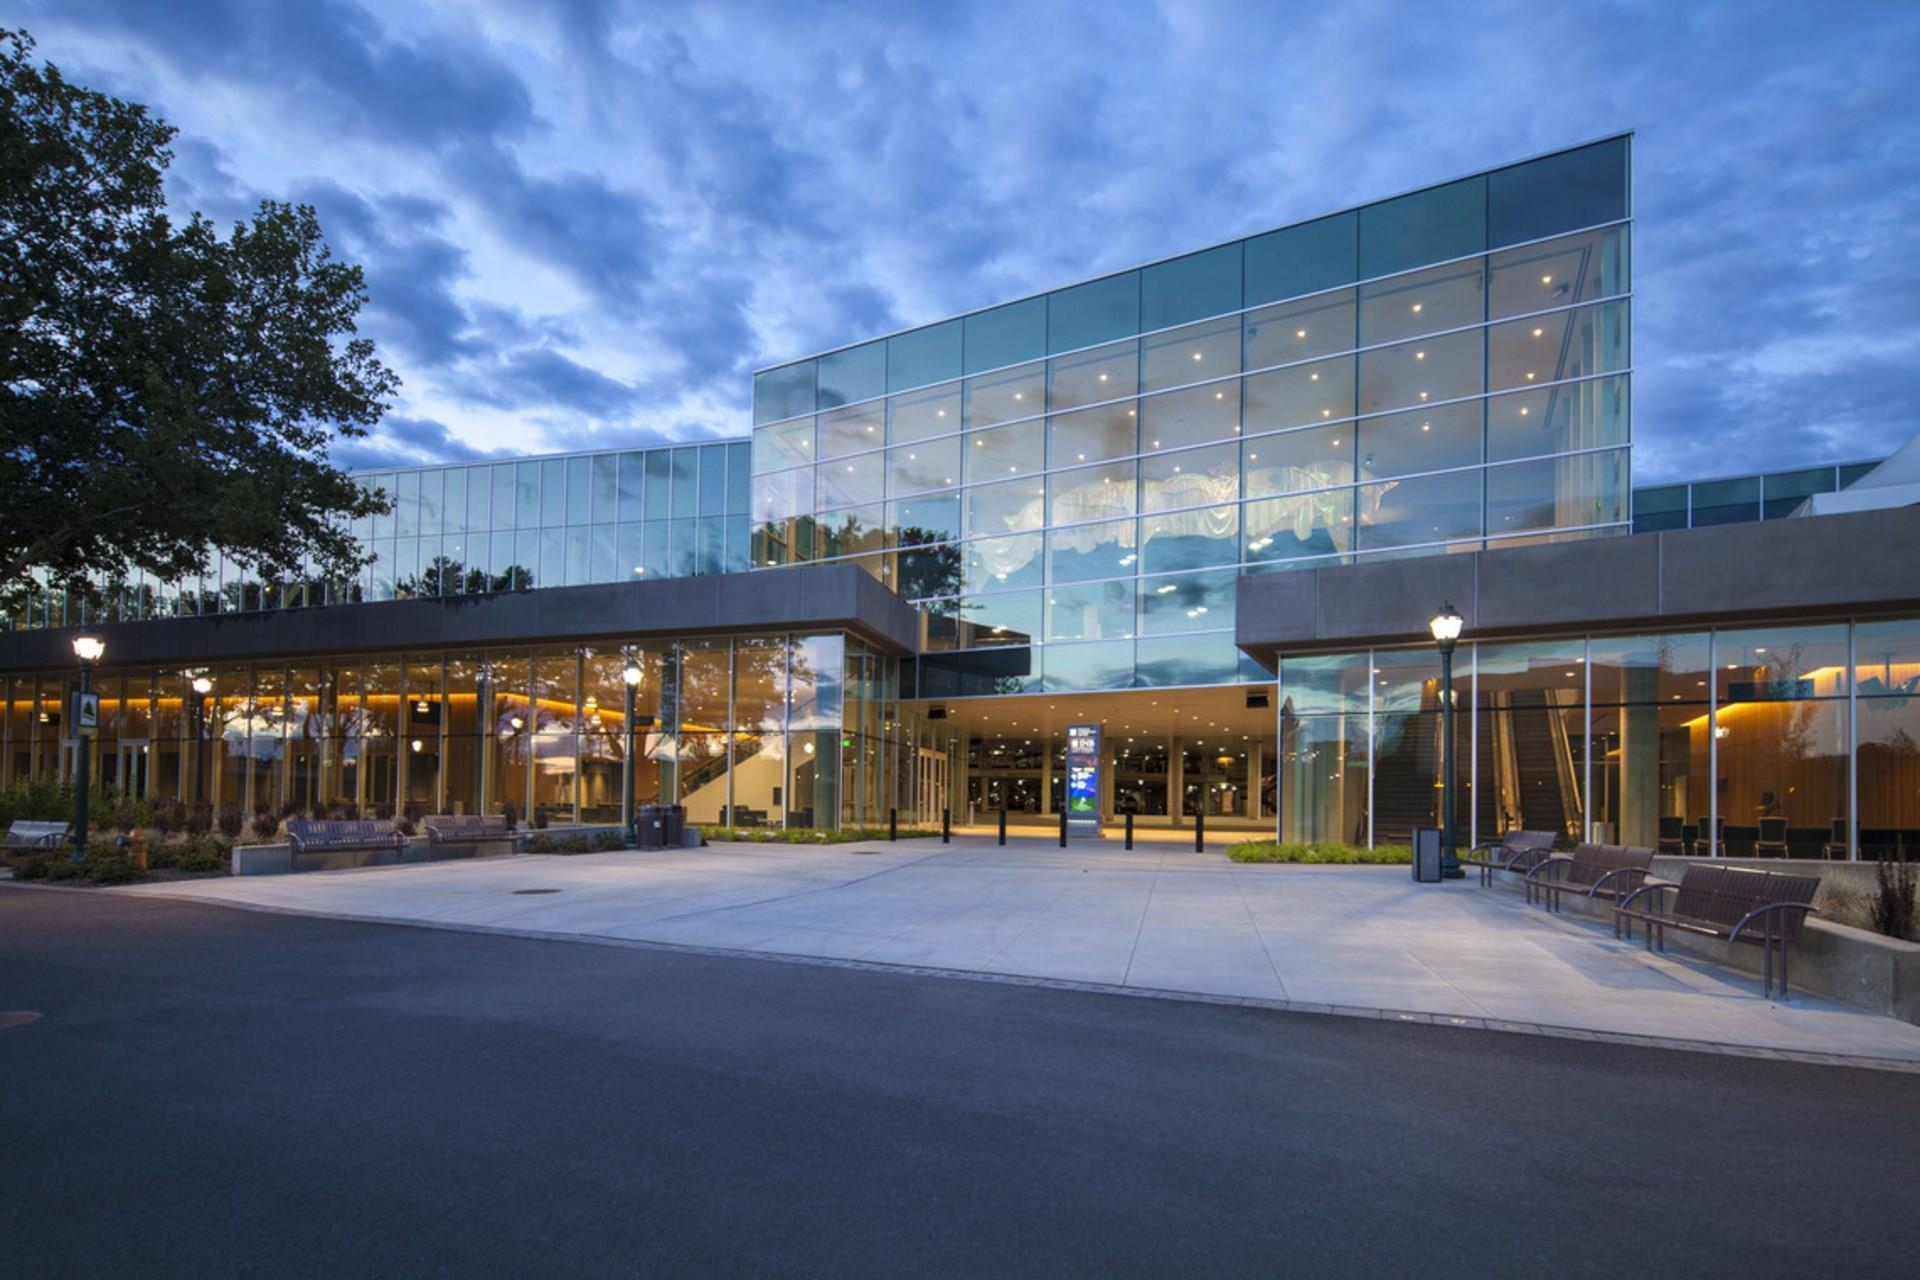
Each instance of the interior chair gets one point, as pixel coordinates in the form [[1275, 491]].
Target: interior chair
[[1773, 838]]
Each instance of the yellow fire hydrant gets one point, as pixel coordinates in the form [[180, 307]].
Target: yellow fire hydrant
[[137, 850]]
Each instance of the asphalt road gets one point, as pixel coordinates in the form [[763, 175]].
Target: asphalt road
[[216, 1092]]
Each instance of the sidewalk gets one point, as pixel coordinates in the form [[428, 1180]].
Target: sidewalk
[[1157, 919]]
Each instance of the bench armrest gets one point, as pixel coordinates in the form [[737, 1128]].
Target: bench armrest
[[1651, 886], [1558, 859], [1768, 908], [1617, 871]]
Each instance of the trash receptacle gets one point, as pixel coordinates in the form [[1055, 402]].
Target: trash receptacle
[[648, 827], [1426, 855], [674, 826]]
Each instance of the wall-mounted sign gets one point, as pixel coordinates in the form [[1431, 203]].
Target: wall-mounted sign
[[1083, 778], [86, 713]]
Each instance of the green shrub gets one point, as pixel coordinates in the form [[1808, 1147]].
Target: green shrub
[[103, 863], [607, 841], [800, 835], [1891, 905], [1319, 854], [559, 844], [197, 854]]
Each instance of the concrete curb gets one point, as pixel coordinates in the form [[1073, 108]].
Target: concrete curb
[[1867, 1062]]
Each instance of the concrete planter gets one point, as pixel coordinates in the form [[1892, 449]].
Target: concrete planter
[[280, 859]]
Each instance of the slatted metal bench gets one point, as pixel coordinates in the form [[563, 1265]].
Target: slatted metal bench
[[1761, 908], [1609, 871], [35, 835], [1515, 851], [336, 835], [466, 828]]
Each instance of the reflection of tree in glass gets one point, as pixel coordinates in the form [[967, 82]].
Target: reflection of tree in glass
[[927, 570]]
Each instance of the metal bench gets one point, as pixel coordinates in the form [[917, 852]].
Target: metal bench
[[1515, 851], [35, 835], [1597, 870], [466, 828], [1762, 908], [336, 835]]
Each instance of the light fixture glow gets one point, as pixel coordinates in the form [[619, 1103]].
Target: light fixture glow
[[89, 648]]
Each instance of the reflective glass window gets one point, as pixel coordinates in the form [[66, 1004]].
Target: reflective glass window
[[850, 481], [1558, 273], [686, 498], [1887, 659], [479, 499], [406, 504], [1325, 683], [1105, 664], [526, 489], [713, 480], [920, 414], [455, 513], [1007, 507], [1782, 492], [506, 490], [432, 501], [1095, 312], [1423, 302], [1726, 501], [787, 445], [1009, 617], [1188, 660], [1186, 602], [1403, 513], [1649, 669], [924, 355], [1004, 452], [928, 570], [1422, 228], [1295, 528], [782, 495], [1004, 396], [996, 563], [1558, 419], [579, 494], [1295, 331], [1319, 391], [1090, 611], [1298, 461], [1304, 259], [1197, 539], [1558, 193], [851, 532], [1006, 335], [1200, 351], [739, 479], [1557, 493], [923, 465], [1092, 435], [932, 517], [1398, 444], [553, 492], [1090, 493], [1190, 288], [853, 430], [603, 498], [1198, 415], [1083, 551], [783, 392], [1092, 377], [1660, 508], [1781, 663], [1421, 372], [1190, 478], [859, 373], [1549, 348]]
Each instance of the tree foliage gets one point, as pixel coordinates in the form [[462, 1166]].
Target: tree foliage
[[163, 390]]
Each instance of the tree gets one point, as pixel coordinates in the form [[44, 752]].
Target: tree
[[165, 391]]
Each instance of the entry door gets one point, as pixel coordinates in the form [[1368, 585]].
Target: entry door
[[931, 784], [133, 769]]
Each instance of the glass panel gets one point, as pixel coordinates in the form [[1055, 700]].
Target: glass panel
[[1324, 683], [925, 355], [1301, 394], [1669, 668], [1303, 259], [1772, 664], [1423, 302], [933, 412], [1568, 344], [406, 505], [432, 501], [1002, 508], [683, 553], [1557, 273], [739, 479], [1532, 734], [526, 489], [1887, 658], [1558, 193], [782, 495], [1190, 478], [993, 563], [578, 503], [1090, 611], [1011, 617], [934, 517], [1186, 355], [1296, 331], [1428, 509], [553, 492], [1779, 760], [1421, 372], [1198, 415], [851, 480], [1103, 665], [1424, 440], [577, 555], [1006, 335], [1196, 539], [1649, 774], [1092, 313], [1889, 778], [1188, 602], [1002, 397], [1784, 491], [847, 431], [713, 479], [932, 571], [1190, 288], [774, 448], [604, 560], [1314, 524], [686, 500], [1091, 377], [1090, 493], [1726, 501], [1189, 660], [1428, 226], [1557, 493], [857, 531], [479, 499], [1323, 785], [929, 464], [1296, 461], [1006, 451], [859, 373], [1578, 415], [1091, 551], [784, 392], [1092, 435]]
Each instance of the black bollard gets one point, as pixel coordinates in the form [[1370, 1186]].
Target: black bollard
[[1063, 828], [893, 824], [946, 826], [1200, 830], [1003, 820], [1129, 828]]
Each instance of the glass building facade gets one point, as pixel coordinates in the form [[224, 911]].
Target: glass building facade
[[1774, 495], [1070, 484]]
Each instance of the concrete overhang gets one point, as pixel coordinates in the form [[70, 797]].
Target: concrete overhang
[[1823, 566], [814, 598]]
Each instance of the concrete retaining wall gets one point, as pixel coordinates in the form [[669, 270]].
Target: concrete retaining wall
[[280, 859]]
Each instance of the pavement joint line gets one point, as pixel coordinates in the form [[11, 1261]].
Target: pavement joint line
[[1460, 1022]]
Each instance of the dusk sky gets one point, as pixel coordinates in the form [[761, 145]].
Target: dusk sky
[[585, 224]]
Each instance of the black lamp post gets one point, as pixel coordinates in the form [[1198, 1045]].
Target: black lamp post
[[89, 650], [1446, 626], [202, 686], [631, 675]]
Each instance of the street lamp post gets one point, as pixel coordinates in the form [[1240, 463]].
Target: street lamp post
[[89, 650], [631, 676], [1446, 626], [202, 686]]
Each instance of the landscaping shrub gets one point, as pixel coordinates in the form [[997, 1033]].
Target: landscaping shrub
[[200, 819], [607, 841], [800, 835], [1892, 903], [539, 821], [511, 814], [198, 854], [266, 824], [559, 844], [406, 826], [232, 821], [1322, 854], [168, 819]]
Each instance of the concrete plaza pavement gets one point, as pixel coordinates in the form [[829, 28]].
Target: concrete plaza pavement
[[1156, 918]]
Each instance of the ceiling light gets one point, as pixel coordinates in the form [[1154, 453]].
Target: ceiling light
[[1426, 426], [1196, 356], [1103, 377], [1419, 355], [1546, 279], [1538, 332], [1416, 306], [1299, 333], [1523, 411]]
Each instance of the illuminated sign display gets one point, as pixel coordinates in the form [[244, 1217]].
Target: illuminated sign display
[[1083, 778]]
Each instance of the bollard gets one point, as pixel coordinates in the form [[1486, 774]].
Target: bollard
[[893, 824], [1003, 820], [1129, 828], [1200, 830], [946, 826], [1063, 828]]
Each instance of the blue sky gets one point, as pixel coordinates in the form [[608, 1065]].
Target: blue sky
[[584, 224]]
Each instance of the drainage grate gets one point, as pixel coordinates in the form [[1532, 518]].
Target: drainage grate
[[521, 893], [17, 1018]]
